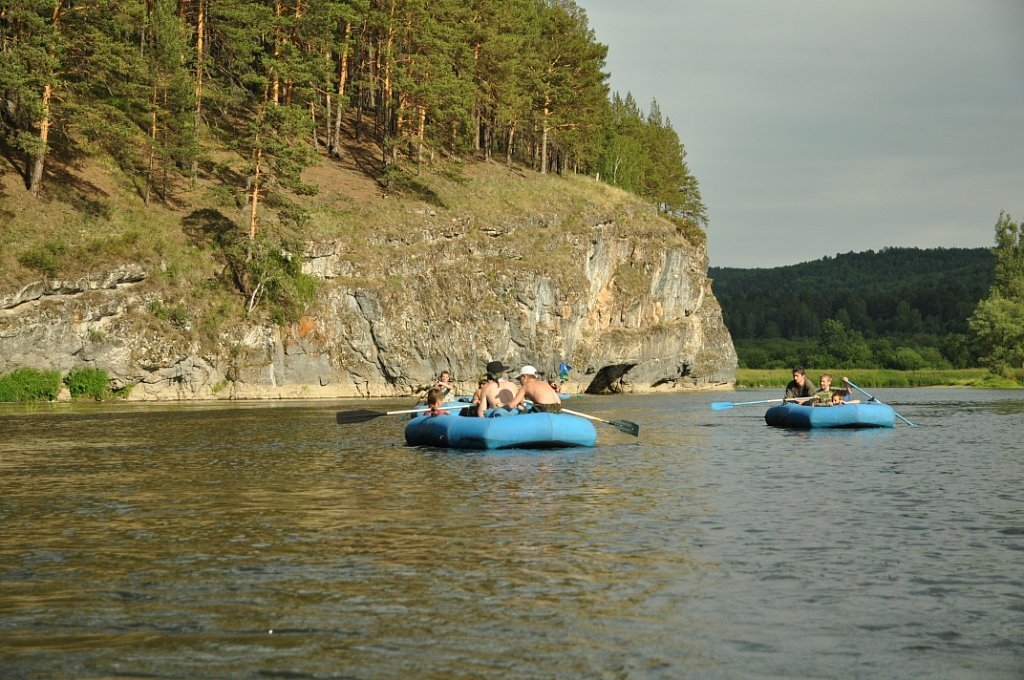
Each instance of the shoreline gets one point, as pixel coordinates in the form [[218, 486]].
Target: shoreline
[[981, 378]]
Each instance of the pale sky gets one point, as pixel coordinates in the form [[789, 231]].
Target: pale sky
[[817, 127]]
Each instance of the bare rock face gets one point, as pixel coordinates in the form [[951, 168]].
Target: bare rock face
[[631, 310]]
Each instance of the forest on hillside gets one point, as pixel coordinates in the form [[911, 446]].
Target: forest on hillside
[[159, 87], [902, 308]]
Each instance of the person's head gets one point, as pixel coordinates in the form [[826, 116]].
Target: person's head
[[434, 396], [482, 381], [799, 375], [446, 376], [527, 373], [495, 369], [825, 381], [837, 399]]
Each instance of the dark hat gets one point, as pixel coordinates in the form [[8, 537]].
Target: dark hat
[[496, 367]]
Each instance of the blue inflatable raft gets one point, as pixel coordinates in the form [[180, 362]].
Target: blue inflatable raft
[[871, 414], [501, 429]]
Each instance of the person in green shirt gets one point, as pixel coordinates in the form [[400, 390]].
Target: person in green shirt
[[823, 397]]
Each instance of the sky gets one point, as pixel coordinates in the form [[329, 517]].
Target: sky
[[819, 127]]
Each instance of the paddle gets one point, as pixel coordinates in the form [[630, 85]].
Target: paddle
[[363, 415], [721, 405], [627, 426], [875, 400]]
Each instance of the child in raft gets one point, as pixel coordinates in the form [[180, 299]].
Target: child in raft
[[434, 398]]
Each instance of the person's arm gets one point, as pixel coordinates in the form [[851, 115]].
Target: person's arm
[[482, 406], [518, 399], [847, 390]]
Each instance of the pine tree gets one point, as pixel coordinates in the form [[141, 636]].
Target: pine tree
[[569, 82], [172, 133], [30, 72]]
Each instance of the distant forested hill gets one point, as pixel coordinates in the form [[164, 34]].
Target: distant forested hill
[[891, 300]]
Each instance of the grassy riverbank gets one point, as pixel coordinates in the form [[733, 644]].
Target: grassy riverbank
[[868, 377]]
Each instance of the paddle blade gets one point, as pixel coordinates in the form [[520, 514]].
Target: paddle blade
[[627, 426], [360, 416], [721, 405]]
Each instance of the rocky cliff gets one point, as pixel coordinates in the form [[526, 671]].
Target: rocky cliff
[[622, 296]]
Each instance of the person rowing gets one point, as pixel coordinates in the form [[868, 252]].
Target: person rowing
[[446, 384], [543, 397], [799, 388]]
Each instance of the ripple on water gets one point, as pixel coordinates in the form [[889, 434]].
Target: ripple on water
[[171, 541]]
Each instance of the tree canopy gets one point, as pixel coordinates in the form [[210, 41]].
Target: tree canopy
[[997, 325], [151, 83]]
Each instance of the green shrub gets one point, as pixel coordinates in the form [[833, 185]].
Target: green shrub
[[177, 314], [44, 259], [88, 382], [266, 269], [122, 392], [29, 384], [906, 359]]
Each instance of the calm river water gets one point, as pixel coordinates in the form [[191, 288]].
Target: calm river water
[[264, 540]]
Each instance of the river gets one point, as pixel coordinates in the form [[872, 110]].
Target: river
[[235, 540]]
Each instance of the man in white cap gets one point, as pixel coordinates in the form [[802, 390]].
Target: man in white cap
[[544, 398]]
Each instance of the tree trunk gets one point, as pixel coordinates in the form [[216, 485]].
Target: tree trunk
[[35, 180], [386, 55], [275, 80], [328, 117], [508, 148], [335, 146], [200, 58], [312, 115], [152, 148], [544, 143], [254, 193], [477, 113], [36, 174], [421, 134]]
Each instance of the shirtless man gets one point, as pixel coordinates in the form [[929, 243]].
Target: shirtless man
[[545, 399], [499, 391]]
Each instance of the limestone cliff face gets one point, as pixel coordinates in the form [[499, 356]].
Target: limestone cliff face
[[628, 305]]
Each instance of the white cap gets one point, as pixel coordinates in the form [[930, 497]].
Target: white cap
[[526, 370]]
